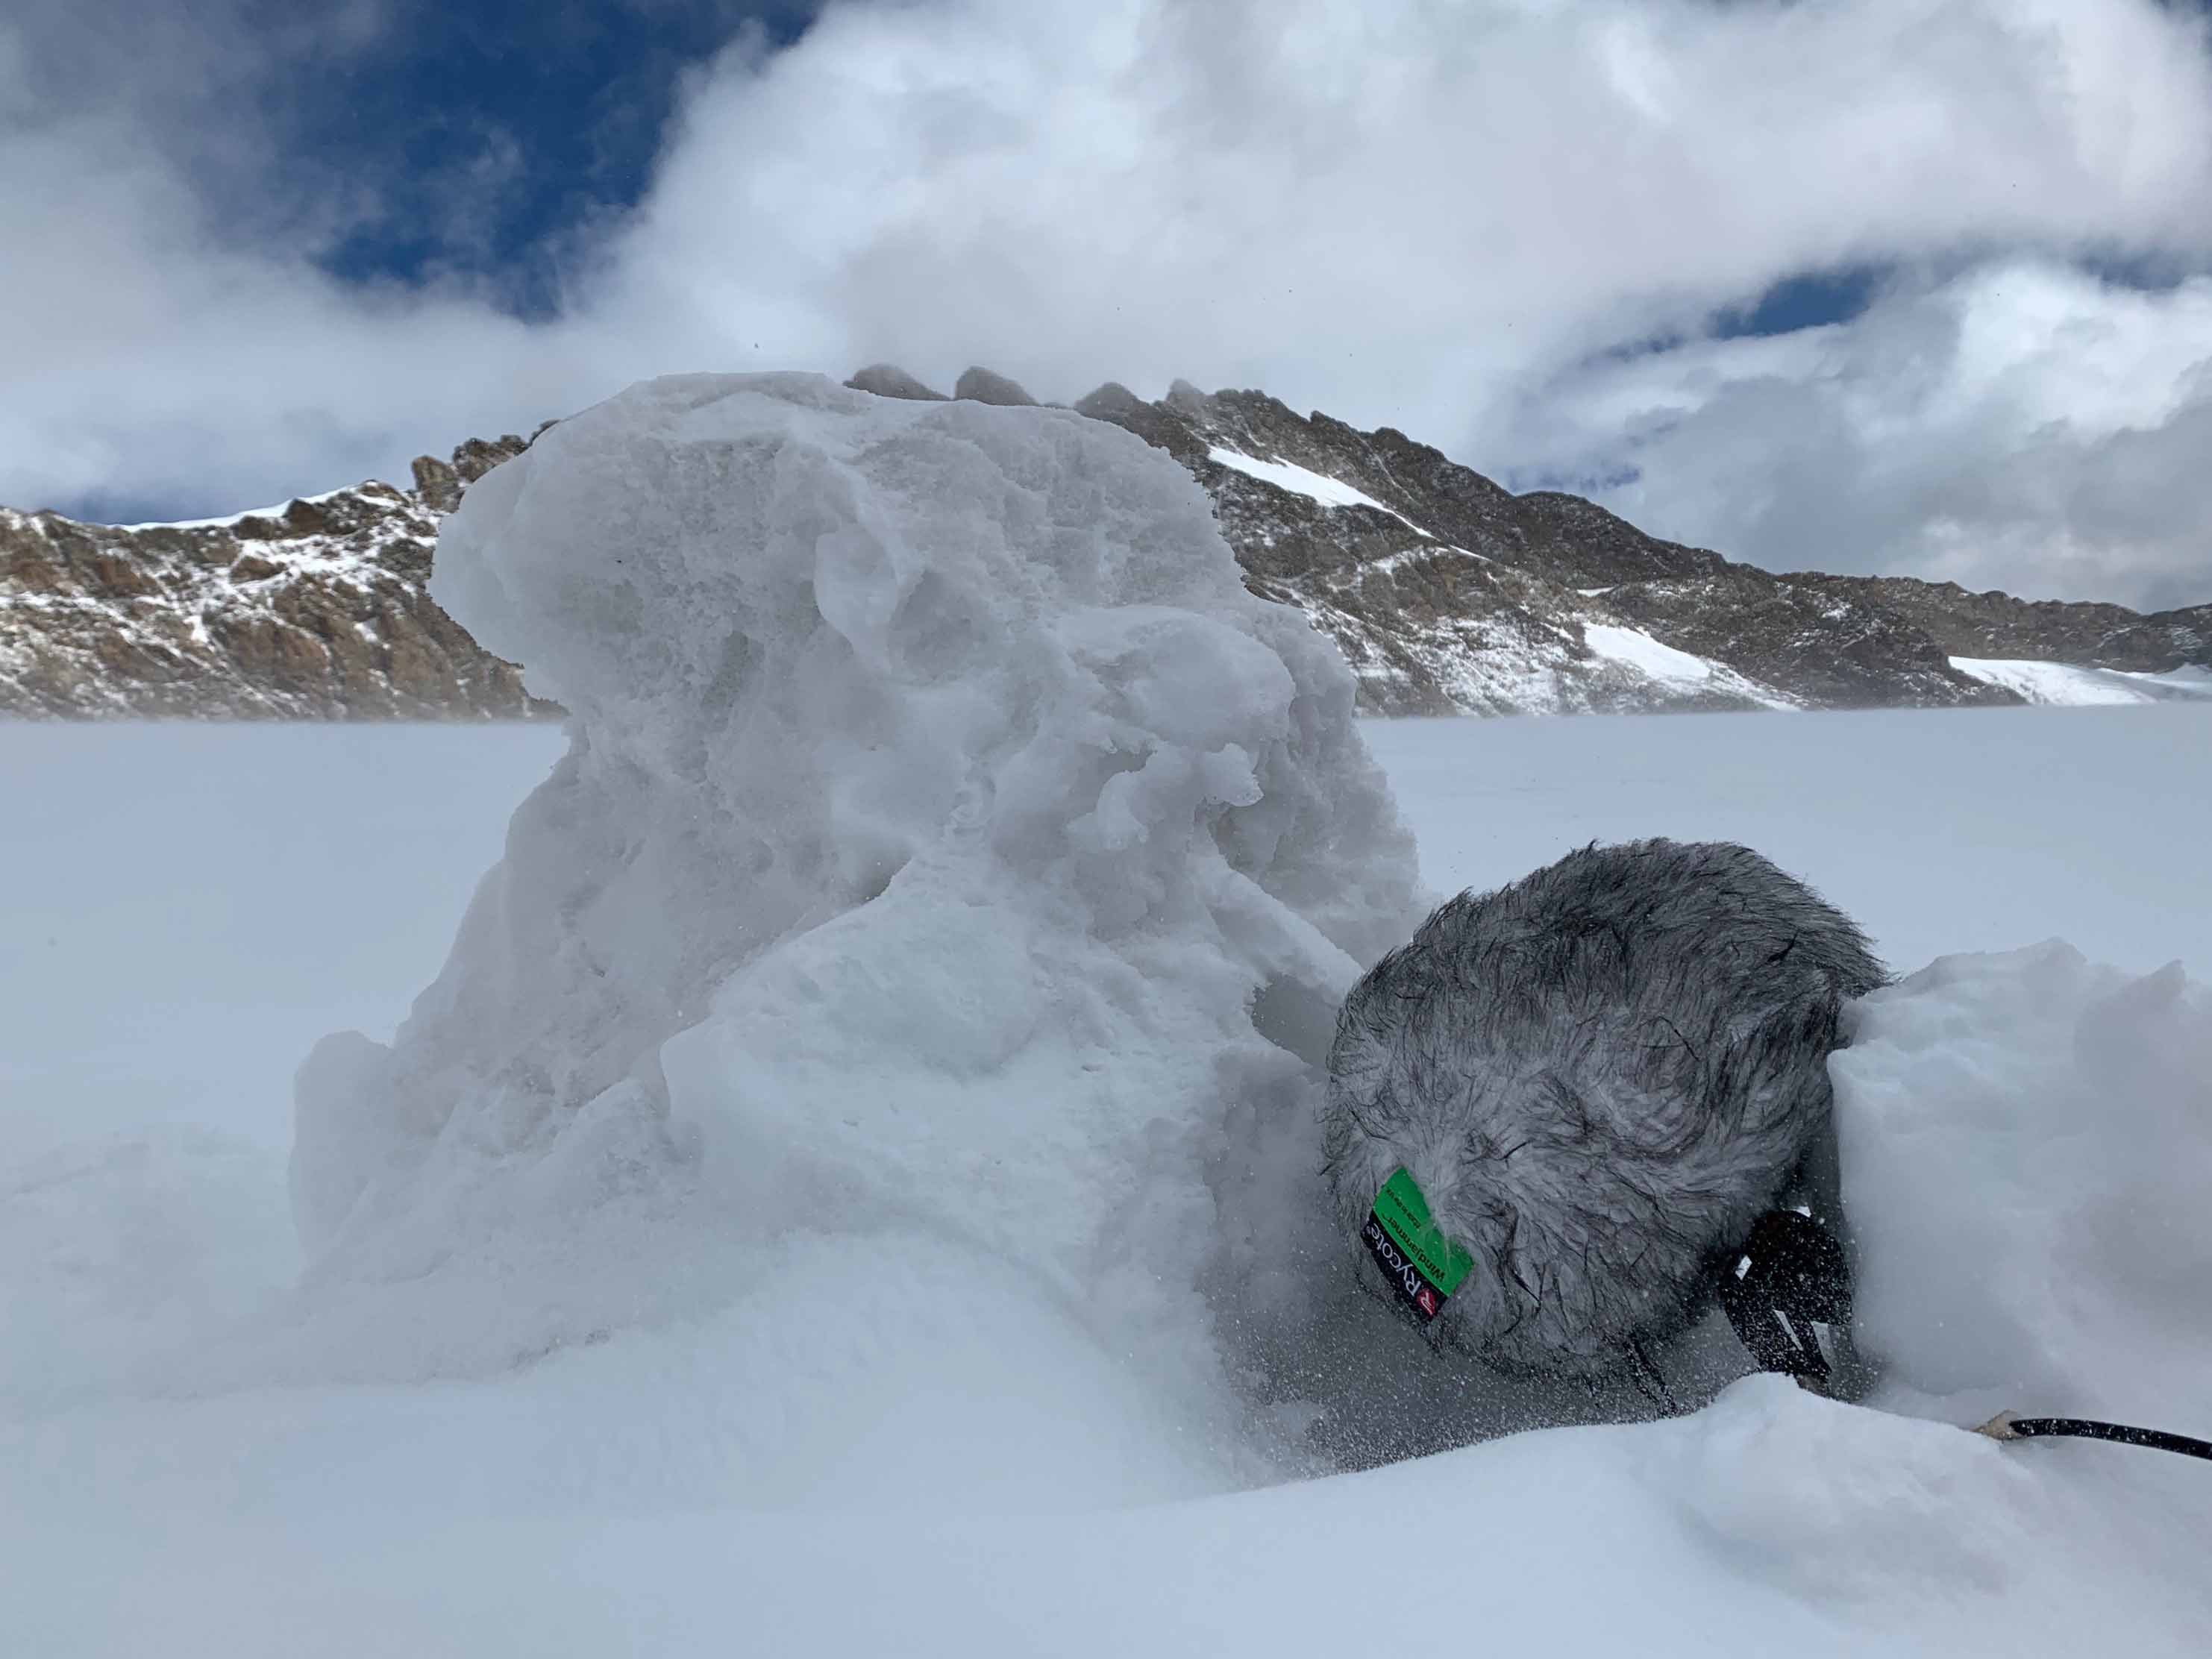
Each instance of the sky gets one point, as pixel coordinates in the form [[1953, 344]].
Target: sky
[[1913, 286]]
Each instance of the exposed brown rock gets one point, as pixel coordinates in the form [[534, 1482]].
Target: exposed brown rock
[[983, 386], [477, 456], [314, 611], [1457, 596], [437, 484], [890, 380]]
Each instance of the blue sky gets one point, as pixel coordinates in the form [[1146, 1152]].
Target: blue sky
[[549, 115], [562, 108], [1871, 284], [552, 116]]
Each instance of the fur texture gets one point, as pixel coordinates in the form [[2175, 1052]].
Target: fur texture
[[1600, 1076]]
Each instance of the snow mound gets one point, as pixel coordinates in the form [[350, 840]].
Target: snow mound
[[2026, 1141], [951, 862]]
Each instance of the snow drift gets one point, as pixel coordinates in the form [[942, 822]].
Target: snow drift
[[2027, 1142], [948, 848], [884, 1440]]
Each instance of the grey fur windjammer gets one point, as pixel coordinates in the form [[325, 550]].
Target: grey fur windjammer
[[1600, 1076]]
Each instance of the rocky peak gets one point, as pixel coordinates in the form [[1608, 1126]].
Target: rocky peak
[[1450, 594], [890, 380], [317, 608], [986, 387], [438, 484]]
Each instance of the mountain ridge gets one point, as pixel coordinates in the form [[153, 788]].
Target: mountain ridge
[[1446, 593]]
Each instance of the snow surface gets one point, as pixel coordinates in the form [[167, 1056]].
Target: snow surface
[[1641, 652], [193, 905], [2066, 684], [1303, 481], [814, 1370], [1938, 831]]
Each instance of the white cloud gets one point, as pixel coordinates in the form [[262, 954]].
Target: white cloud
[[151, 349], [2022, 426], [1389, 211], [1420, 215]]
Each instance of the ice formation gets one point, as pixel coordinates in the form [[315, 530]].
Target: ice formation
[[949, 852]]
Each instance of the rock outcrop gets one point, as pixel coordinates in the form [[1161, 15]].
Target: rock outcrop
[[1450, 594], [314, 610]]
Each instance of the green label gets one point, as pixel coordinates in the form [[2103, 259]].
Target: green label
[[1404, 1214]]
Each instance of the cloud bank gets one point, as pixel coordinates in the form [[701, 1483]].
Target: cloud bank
[[1450, 218], [2022, 426]]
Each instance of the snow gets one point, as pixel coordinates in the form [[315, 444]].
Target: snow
[[2067, 685], [1303, 481], [2077, 1109], [1654, 660], [1644, 654], [1391, 563], [871, 1317], [197, 904], [947, 839], [1939, 831], [1494, 666], [229, 518]]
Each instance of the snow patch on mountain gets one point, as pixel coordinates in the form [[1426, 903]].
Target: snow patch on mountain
[[1664, 664], [1495, 663], [1645, 654], [2067, 684], [1305, 481]]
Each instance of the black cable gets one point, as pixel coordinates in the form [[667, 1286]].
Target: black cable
[[1791, 1278], [2084, 1428]]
